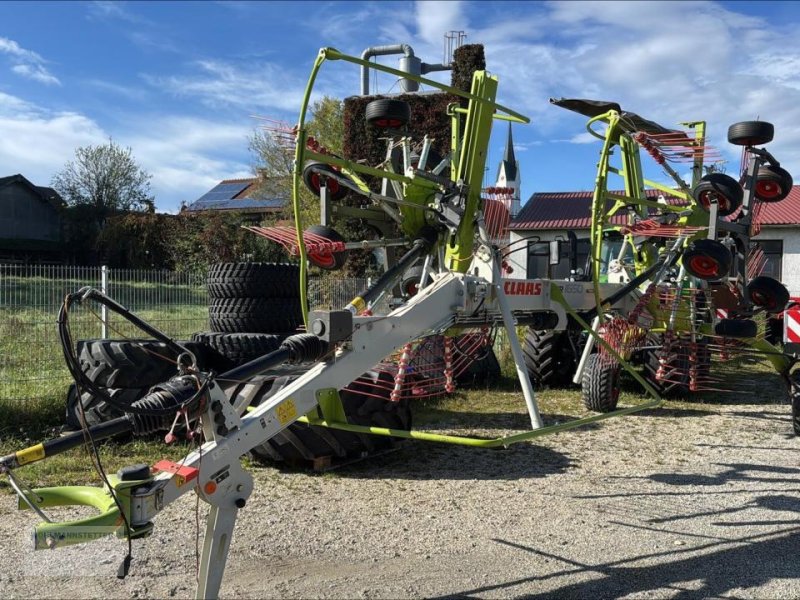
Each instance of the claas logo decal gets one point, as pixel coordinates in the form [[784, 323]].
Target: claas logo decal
[[522, 288]]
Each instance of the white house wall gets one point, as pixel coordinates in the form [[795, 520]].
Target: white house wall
[[790, 263]]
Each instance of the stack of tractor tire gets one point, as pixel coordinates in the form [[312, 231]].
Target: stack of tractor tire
[[252, 308]]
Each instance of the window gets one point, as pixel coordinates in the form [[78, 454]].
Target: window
[[539, 260], [773, 251]]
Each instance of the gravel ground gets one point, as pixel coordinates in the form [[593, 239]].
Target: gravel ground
[[701, 502]]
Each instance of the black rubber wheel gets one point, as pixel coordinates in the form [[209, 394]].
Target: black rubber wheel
[[130, 363], [388, 114], [794, 397], [751, 133], [95, 410], [722, 188], [365, 402], [240, 348], [409, 285], [707, 259], [328, 261], [549, 357], [773, 183], [255, 315], [600, 384], [253, 280], [768, 293], [676, 372], [314, 171], [736, 328]]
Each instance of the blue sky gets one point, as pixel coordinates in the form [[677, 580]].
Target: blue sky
[[180, 83]]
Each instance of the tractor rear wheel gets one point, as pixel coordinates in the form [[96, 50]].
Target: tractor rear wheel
[[794, 397], [676, 370], [253, 280], [255, 315], [549, 357]]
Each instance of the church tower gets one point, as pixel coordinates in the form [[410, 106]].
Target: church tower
[[508, 174]]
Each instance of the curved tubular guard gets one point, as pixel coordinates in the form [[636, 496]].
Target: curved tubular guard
[[67, 533], [302, 154]]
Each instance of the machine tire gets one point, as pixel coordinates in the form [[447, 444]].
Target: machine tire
[[707, 259], [364, 404], [727, 191], [751, 133], [253, 280], [96, 410], [333, 261], [651, 364], [768, 293], [254, 315], [311, 178], [773, 183], [239, 348], [130, 363], [549, 357], [409, 284], [600, 384], [485, 369], [736, 328], [388, 114]]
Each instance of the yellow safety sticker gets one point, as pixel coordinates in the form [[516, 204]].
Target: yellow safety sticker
[[31, 454], [286, 412], [359, 303]]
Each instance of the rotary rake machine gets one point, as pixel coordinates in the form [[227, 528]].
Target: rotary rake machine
[[701, 289], [460, 295]]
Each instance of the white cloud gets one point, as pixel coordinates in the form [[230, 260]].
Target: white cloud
[[434, 18], [27, 63], [253, 87]]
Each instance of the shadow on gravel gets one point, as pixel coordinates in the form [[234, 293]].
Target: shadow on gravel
[[423, 461], [734, 472], [752, 562], [442, 419]]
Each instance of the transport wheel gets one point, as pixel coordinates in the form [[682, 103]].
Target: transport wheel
[[130, 363], [549, 357], [707, 259], [254, 315], [313, 171], [676, 370], [253, 280], [751, 133], [328, 261], [722, 188], [600, 384], [773, 183], [736, 328], [388, 114], [768, 293]]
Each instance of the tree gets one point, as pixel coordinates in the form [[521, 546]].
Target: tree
[[107, 178]]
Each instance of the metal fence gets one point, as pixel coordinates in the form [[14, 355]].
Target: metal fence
[[31, 361]]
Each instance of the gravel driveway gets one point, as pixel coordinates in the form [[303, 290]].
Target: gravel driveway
[[698, 502]]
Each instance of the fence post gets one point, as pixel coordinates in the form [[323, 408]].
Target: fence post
[[103, 309]]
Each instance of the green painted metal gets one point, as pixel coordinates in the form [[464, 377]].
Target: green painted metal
[[107, 522], [330, 404]]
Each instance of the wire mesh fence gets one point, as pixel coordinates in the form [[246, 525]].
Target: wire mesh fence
[[31, 360]]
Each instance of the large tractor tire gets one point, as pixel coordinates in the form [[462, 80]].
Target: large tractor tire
[[238, 348], [253, 280], [794, 397], [485, 369], [366, 402], [130, 363], [96, 410], [549, 357], [600, 384], [255, 315]]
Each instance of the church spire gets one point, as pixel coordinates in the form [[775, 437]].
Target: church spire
[[509, 153]]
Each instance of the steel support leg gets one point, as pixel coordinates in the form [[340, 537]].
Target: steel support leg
[[219, 529], [516, 349]]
